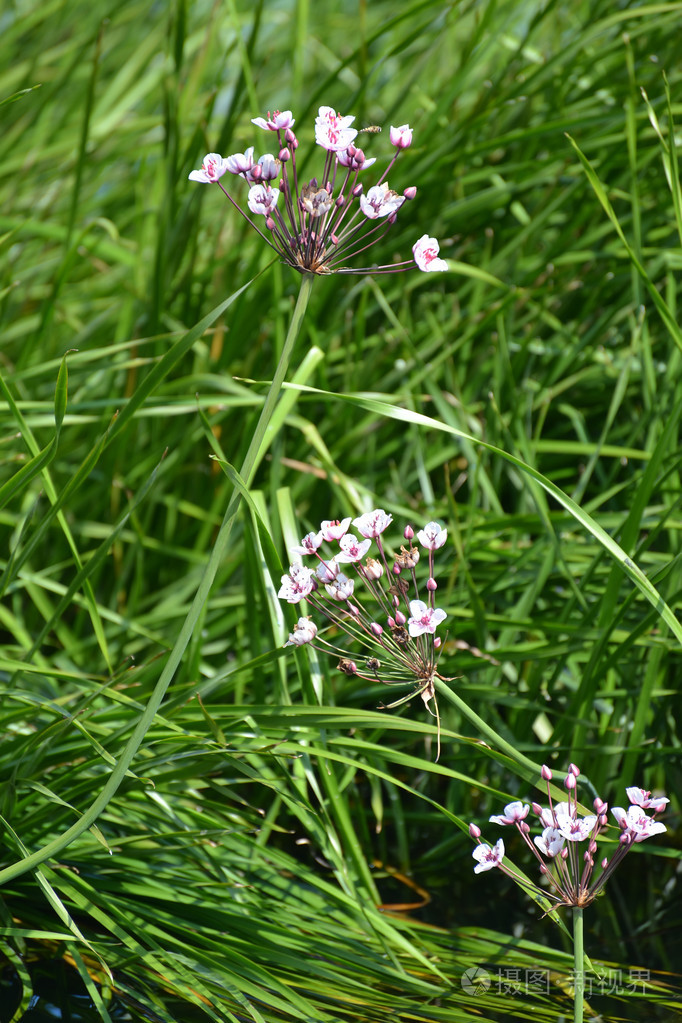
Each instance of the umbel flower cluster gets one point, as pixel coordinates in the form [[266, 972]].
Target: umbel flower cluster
[[566, 848], [317, 224], [377, 603]]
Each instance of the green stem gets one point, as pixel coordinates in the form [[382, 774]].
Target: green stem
[[578, 965], [249, 466], [529, 770]]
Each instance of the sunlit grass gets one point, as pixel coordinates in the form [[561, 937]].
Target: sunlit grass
[[263, 854]]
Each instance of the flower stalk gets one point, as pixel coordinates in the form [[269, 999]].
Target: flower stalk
[[578, 965]]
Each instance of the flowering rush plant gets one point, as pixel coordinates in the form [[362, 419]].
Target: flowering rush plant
[[566, 848], [316, 225], [391, 622]]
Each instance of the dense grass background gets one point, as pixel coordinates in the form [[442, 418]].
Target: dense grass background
[[277, 848]]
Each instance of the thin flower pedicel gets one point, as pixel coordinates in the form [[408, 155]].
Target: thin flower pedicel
[[316, 225], [393, 625]]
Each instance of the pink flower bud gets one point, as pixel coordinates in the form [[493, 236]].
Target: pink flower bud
[[546, 773], [290, 137], [376, 628], [474, 831], [270, 224], [256, 172], [356, 190], [574, 770], [285, 154], [408, 532], [401, 137], [396, 569], [437, 642], [570, 782], [410, 192], [400, 618], [431, 585]]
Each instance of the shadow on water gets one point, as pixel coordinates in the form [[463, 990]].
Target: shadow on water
[[58, 995]]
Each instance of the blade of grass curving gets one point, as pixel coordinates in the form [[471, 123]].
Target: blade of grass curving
[[94, 561], [60, 399], [387, 410], [153, 379], [629, 532], [43, 458], [126, 757], [659, 303], [51, 895], [89, 984], [81, 157]]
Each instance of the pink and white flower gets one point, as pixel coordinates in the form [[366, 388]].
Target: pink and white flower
[[425, 253], [380, 201], [550, 842], [333, 529], [432, 536], [352, 549], [354, 158], [575, 829], [240, 163], [309, 544], [332, 131], [279, 121], [424, 619], [304, 632], [372, 524], [513, 812], [262, 199], [643, 798], [488, 856], [267, 169], [213, 166], [327, 571], [341, 588], [636, 824], [401, 137], [297, 585]]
